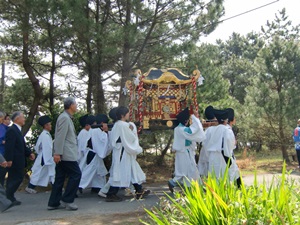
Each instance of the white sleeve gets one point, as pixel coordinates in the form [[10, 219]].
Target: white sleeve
[[130, 141], [228, 143], [197, 134], [100, 142], [47, 147]]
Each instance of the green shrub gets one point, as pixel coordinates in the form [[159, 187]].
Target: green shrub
[[221, 202]]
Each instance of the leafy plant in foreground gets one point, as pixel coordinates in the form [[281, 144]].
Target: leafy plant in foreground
[[221, 202]]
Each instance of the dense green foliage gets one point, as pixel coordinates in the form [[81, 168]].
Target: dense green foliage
[[221, 202]]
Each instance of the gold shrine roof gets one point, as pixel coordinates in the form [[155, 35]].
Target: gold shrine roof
[[168, 76]]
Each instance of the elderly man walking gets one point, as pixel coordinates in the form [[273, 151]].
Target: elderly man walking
[[65, 157], [15, 155]]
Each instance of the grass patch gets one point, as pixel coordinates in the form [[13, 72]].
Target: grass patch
[[262, 162]]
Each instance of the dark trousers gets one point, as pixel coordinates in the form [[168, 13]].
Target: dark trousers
[[14, 179], [239, 182], [114, 190], [138, 188], [4, 202], [62, 170], [2, 175], [298, 156], [30, 185]]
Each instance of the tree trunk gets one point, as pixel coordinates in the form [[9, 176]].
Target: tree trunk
[[38, 94], [51, 79], [100, 104], [285, 155], [90, 71], [90, 86], [280, 123], [51, 84], [164, 152], [126, 67], [2, 84]]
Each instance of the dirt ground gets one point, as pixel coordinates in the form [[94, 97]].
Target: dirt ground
[[114, 219]]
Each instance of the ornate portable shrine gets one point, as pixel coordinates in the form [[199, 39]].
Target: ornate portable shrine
[[156, 97]]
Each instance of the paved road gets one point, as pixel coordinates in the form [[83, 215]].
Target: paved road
[[34, 207]]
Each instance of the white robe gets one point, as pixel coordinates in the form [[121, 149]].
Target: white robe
[[233, 169], [125, 169], [185, 163], [221, 136], [82, 139], [94, 174], [42, 175], [204, 156]]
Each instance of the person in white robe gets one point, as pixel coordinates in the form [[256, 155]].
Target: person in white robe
[[203, 157], [219, 145], [113, 116], [84, 135], [43, 169], [234, 173], [125, 169], [129, 191], [94, 172], [184, 146]]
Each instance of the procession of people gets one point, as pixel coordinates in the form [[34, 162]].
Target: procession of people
[[79, 159]]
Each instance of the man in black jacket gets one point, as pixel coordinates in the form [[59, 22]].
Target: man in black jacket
[[15, 154]]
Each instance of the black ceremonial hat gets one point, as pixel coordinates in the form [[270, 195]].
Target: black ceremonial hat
[[209, 112], [230, 114], [90, 120], [112, 114], [43, 120], [101, 118], [82, 120], [183, 116], [221, 115]]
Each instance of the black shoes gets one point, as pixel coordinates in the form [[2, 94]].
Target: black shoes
[[171, 186], [56, 207], [113, 198], [8, 207], [16, 202], [144, 193]]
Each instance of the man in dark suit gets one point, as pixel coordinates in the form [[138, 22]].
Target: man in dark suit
[[15, 154]]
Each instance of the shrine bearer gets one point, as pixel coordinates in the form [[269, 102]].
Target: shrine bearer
[[125, 169], [219, 145], [203, 157], [94, 172], [84, 135], [43, 169], [234, 173], [184, 145], [129, 191]]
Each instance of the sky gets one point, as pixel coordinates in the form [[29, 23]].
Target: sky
[[251, 21]]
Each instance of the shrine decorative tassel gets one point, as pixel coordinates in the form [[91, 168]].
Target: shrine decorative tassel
[[195, 95], [131, 102], [140, 90]]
